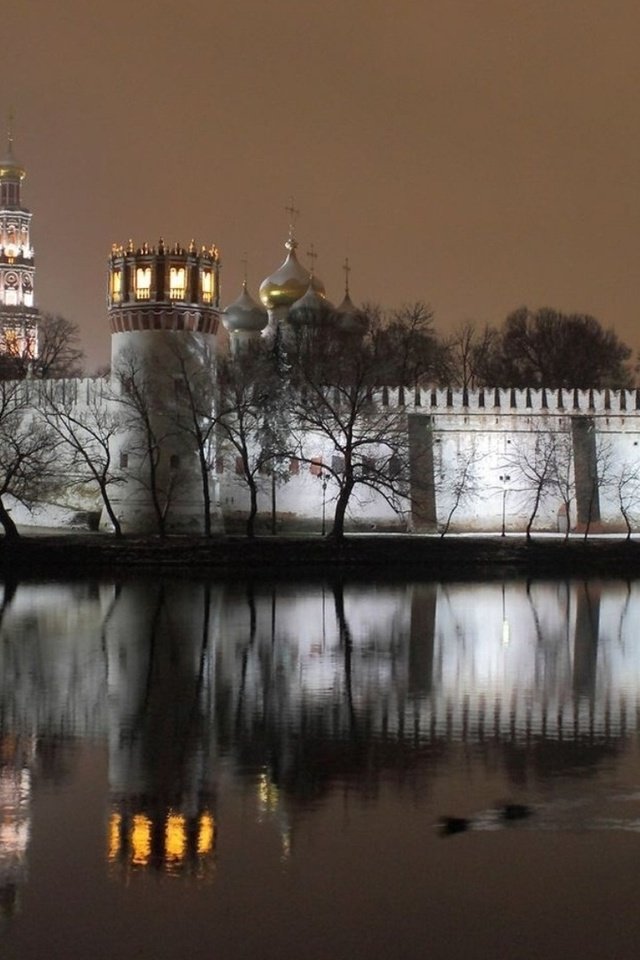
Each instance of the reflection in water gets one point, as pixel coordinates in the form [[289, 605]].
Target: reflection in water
[[295, 689]]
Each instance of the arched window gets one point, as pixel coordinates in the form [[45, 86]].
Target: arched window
[[143, 283]]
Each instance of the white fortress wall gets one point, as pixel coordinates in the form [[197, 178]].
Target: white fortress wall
[[484, 432]]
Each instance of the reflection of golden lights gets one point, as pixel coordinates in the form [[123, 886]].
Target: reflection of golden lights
[[115, 824], [206, 834], [175, 837], [506, 633], [268, 793], [141, 839]]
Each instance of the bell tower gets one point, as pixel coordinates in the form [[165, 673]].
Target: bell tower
[[18, 313]]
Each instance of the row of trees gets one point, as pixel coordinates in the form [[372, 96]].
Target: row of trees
[[260, 407]]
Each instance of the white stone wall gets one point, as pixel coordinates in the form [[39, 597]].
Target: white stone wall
[[463, 429]]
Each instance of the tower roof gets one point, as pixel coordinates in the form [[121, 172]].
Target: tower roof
[[10, 169], [244, 314]]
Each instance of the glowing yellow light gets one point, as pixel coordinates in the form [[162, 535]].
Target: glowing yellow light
[[143, 282], [206, 834], [506, 633], [11, 344], [141, 839], [177, 281], [267, 793], [116, 284], [175, 837], [115, 823], [207, 285]]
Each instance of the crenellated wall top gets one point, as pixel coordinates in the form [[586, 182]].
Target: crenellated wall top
[[509, 400]]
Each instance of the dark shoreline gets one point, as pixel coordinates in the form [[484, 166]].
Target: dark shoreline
[[371, 557]]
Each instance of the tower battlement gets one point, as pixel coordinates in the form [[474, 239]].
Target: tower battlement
[[164, 287]]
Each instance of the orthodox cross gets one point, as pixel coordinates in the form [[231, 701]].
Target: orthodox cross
[[293, 216], [245, 265], [347, 271], [313, 256]]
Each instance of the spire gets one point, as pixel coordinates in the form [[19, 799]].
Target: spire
[[347, 271], [313, 256], [10, 119], [292, 243]]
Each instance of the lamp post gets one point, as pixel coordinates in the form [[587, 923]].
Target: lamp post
[[504, 480], [325, 479]]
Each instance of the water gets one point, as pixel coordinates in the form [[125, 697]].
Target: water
[[201, 770]]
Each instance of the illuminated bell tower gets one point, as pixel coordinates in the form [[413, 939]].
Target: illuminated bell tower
[[18, 314]]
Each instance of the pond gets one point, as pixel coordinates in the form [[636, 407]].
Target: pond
[[198, 769]]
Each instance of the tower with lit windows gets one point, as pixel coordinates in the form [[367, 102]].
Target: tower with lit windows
[[163, 306], [18, 313]]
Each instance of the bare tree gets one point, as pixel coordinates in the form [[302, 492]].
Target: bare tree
[[252, 419], [332, 398], [51, 351], [563, 475], [142, 393], [546, 348], [471, 355], [532, 461], [86, 430], [195, 409], [464, 485], [27, 454], [626, 481]]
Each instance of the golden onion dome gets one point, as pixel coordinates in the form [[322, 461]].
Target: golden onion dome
[[10, 169], [290, 281], [244, 314]]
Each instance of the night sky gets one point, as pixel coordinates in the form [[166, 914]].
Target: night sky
[[477, 154]]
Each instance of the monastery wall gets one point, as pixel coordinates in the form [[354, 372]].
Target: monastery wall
[[473, 455]]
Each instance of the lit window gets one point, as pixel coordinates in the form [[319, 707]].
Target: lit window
[[239, 466], [207, 286], [294, 466], [315, 467], [143, 283], [177, 283], [116, 285]]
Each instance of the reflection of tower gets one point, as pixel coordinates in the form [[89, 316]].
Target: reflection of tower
[[18, 315], [585, 658], [159, 741], [15, 794], [163, 307], [421, 639]]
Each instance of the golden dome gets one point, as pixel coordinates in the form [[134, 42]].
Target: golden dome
[[10, 169], [290, 281]]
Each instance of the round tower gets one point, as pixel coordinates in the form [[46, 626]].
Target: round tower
[[163, 306]]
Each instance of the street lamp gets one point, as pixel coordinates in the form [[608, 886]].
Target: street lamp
[[504, 480], [325, 480]]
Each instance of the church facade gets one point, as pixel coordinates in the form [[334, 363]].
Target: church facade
[[490, 460]]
